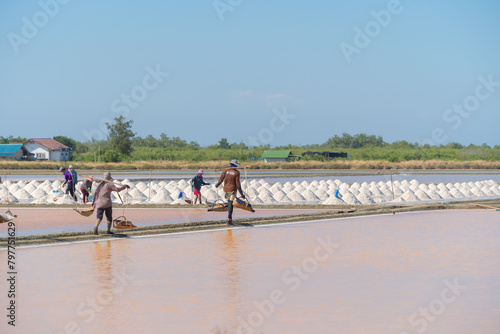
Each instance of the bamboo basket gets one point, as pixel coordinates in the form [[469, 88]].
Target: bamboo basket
[[122, 223]]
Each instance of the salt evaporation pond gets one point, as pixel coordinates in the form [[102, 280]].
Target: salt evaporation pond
[[54, 220], [389, 274]]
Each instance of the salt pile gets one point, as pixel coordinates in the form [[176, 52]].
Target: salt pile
[[334, 201], [363, 198], [13, 188], [267, 198], [295, 197], [30, 188], [280, 195], [350, 199], [180, 201], [162, 197], [65, 199], [23, 195], [39, 193]]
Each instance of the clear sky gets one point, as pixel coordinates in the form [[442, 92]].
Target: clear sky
[[270, 72]]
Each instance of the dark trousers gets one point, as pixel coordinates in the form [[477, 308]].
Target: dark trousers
[[230, 209], [71, 190], [107, 211], [85, 195]]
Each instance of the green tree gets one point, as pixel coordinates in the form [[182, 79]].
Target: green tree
[[11, 139], [224, 144], [121, 135], [111, 156], [71, 143]]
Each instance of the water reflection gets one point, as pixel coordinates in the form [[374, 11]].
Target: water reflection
[[232, 275], [387, 268]]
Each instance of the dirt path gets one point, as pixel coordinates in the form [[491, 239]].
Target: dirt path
[[333, 212]]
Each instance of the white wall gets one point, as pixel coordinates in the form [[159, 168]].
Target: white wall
[[275, 160], [40, 153], [49, 155], [59, 156]]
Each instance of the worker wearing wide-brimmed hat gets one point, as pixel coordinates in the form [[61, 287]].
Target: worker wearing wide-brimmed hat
[[102, 201], [231, 178]]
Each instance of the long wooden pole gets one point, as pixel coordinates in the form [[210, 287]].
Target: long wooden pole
[[487, 206], [221, 169], [102, 180], [392, 186]]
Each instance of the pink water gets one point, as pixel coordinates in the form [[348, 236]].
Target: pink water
[[50, 220], [389, 274]]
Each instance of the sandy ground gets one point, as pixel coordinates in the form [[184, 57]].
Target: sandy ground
[[332, 212]]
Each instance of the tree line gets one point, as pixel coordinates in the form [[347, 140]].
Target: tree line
[[123, 144]]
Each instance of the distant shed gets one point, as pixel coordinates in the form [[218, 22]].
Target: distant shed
[[14, 152], [326, 154], [278, 156]]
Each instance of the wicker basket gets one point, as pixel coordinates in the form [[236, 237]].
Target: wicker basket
[[122, 223], [86, 212], [217, 207], [242, 204]]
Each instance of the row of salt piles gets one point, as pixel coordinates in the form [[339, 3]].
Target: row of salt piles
[[262, 192]]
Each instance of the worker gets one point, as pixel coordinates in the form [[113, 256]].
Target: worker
[[68, 181], [86, 188], [231, 178], [196, 183], [102, 201]]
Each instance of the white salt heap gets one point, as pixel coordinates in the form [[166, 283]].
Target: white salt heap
[[262, 192], [295, 197], [162, 197], [22, 195]]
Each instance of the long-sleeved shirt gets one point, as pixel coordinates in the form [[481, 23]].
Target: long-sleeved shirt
[[231, 179], [87, 185], [68, 177], [102, 196], [198, 182]]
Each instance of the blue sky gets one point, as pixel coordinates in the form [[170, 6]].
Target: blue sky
[[236, 67]]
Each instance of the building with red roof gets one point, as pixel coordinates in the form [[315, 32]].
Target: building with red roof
[[47, 149]]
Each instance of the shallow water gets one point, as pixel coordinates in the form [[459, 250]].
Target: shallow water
[[49, 220], [386, 272]]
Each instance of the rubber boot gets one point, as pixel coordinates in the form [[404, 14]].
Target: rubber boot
[[109, 229], [230, 221], [96, 227]]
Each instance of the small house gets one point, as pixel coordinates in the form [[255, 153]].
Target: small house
[[278, 156], [14, 152], [326, 154], [47, 149]]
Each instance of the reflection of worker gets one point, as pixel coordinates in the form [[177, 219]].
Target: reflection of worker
[[102, 201], [231, 178], [197, 182]]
